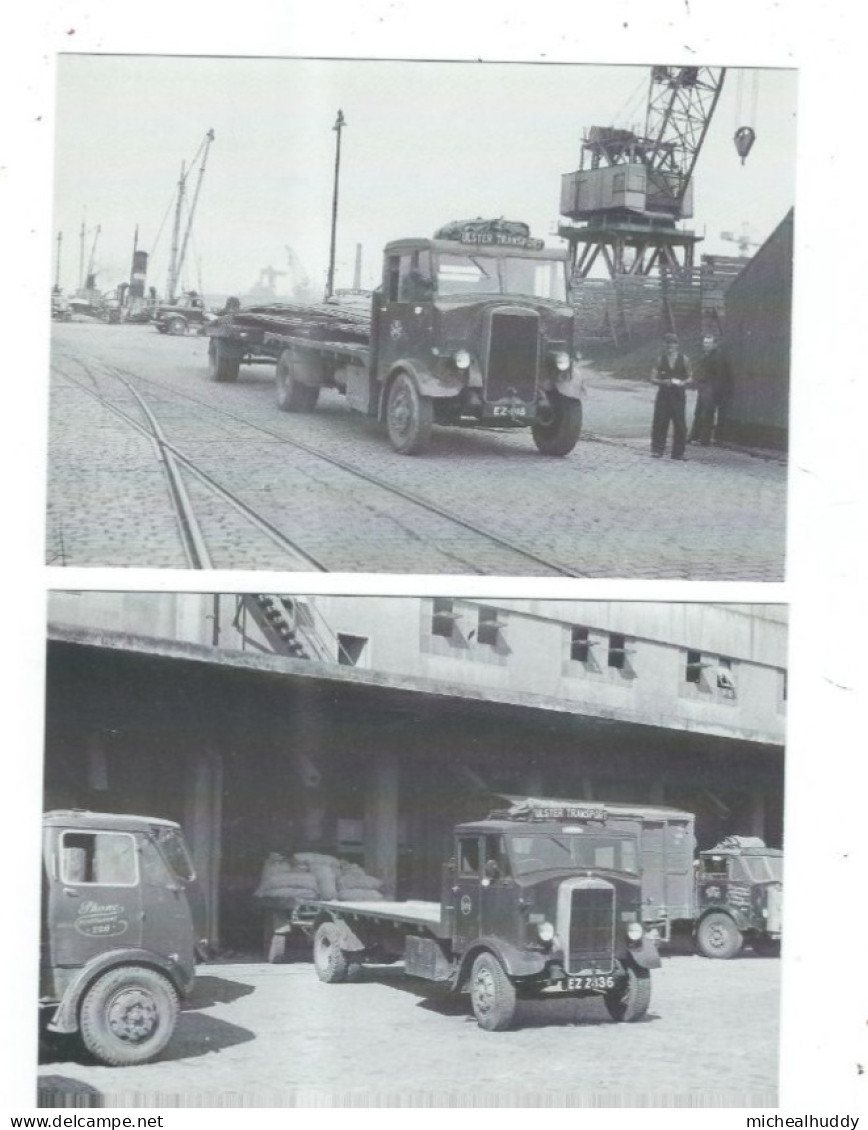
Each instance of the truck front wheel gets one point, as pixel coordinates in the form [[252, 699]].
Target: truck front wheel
[[292, 394], [128, 1015], [409, 416], [557, 430], [223, 362], [630, 1001], [718, 936], [492, 994], [330, 961], [176, 326]]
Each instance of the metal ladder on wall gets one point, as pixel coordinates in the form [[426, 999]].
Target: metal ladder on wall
[[290, 627]]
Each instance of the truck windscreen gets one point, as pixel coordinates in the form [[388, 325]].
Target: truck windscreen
[[480, 274], [764, 868], [174, 849], [538, 851]]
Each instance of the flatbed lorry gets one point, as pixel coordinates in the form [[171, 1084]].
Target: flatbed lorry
[[538, 905], [472, 328]]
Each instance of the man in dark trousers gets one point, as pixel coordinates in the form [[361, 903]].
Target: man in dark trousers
[[672, 375], [710, 390]]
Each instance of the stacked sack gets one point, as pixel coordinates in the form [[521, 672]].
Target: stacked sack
[[354, 885], [282, 880], [313, 875]]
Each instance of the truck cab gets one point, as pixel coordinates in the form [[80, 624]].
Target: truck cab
[[473, 327], [178, 316], [739, 898], [122, 924]]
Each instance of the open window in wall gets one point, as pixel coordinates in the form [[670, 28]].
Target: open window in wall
[[443, 617], [724, 677], [618, 651], [488, 626], [694, 667], [580, 643], [352, 650]]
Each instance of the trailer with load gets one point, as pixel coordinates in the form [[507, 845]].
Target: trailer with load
[[122, 926], [541, 904], [471, 329], [729, 896]]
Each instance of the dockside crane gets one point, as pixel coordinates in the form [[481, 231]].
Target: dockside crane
[[179, 251], [631, 190]]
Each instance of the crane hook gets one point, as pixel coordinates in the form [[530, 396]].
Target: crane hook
[[744, 138]]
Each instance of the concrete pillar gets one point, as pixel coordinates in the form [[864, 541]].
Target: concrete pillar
[[381, 820], [757, 815], [203, 814]]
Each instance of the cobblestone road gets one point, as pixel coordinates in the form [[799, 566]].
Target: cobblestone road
[[274, 1035], [607, 510]]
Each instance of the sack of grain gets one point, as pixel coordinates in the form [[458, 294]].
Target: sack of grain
[[359, 882], [325, 880], [360, 894], [315, 858], [287, 894]]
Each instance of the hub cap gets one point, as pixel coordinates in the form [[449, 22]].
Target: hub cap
[[132, 1015]]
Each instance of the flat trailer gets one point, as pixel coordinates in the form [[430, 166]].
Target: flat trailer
[[541, 905], [469, 329]]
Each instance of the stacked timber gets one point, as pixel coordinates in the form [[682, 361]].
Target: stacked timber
[[319, 322]]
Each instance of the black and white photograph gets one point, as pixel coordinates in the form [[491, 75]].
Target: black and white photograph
[[388, 333], [429, 830], [434, 499]]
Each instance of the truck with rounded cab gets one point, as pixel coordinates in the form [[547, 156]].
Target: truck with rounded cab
[[472, 328], [122, 925], [543, 904]]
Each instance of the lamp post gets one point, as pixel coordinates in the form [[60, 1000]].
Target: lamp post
[[337, 127]]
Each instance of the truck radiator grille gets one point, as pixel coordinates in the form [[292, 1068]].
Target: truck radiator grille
[[513, 356], [591, 934]]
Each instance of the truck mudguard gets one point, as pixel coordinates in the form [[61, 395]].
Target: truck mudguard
[[645, 954], [350, 941], [65, 1018], [517, 962], [571, 384], [426, 382]]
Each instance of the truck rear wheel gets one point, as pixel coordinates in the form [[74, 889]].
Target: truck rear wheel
[[331, 962], [294, 395], [492, 994], [223, 362], [631, 1001], [409, 416], [128, 1015], [718, 936], [557, 431]]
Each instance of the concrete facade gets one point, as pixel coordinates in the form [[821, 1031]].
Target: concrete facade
[[414, 713]]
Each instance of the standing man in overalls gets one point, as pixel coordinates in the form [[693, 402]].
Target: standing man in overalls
[[672, 375]]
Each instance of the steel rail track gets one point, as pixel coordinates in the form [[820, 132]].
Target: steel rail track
[[366, 476], [193, 540]]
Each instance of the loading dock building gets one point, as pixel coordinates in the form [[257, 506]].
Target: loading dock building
[[386, 719]]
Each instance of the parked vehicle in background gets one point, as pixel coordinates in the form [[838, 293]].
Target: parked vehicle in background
[[739, 898], [729, 896], [179, 317], [122, 925]]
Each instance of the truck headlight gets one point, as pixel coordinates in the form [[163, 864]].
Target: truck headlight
[[635, 931], [561, 360], [461, 359], [546, 931]]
